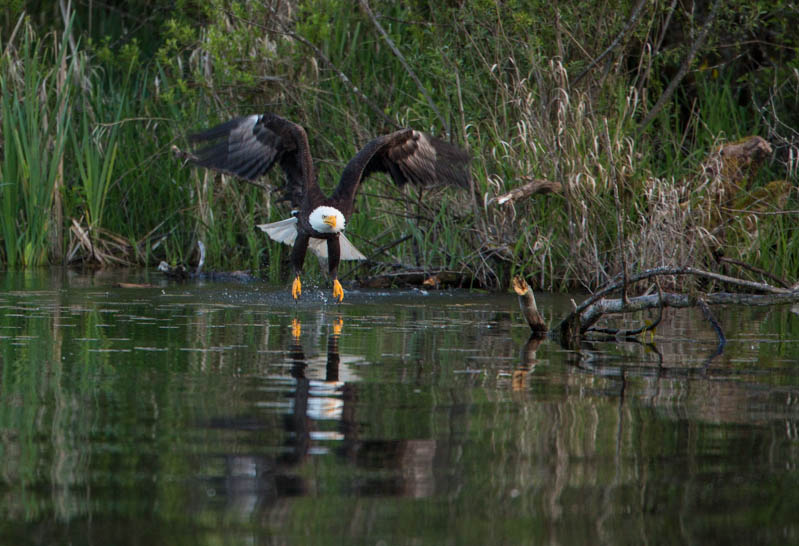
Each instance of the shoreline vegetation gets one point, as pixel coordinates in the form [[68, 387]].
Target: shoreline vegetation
[[607, 140]]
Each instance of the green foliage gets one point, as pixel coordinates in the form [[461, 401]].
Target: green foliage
[[502, 77]]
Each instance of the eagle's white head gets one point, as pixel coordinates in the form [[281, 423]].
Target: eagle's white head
[[327, 220]]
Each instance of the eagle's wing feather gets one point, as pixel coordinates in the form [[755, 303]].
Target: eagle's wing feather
[[408, 156], [248, 147]]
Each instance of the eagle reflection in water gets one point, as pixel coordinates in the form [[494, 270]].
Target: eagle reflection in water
[[322, 419]]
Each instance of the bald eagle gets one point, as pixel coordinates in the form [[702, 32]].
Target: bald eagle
[[247, 147]]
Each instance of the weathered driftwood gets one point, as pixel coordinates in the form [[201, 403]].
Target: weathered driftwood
[[531, 188]]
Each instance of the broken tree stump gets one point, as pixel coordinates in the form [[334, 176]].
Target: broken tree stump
[[528, 306]]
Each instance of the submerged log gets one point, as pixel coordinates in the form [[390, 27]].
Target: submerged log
[[581, 323], [594, 312], [418, 277], [134, 285]]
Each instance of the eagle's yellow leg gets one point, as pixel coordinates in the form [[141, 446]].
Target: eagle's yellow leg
[[296, 328], [338, 324], [649, 329], [296, 287], [338, 292]]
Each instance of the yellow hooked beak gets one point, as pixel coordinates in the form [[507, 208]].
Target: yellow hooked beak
[[330, 221]]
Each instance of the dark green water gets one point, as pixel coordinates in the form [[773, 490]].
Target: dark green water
[[191, 414]]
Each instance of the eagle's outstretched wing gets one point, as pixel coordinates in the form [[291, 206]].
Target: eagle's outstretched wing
[[247, 147], [408, 156]]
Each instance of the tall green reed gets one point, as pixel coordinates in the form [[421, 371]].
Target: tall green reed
[[95, 154], [36, 111]]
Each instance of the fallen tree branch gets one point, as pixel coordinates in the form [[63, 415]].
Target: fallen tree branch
[[522, 192], [608, 306], [744, 265], [667, 271], [647, 327]]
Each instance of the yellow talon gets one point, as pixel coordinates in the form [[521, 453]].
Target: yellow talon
[[337, 326], [296, 288], [338, 292], [296, 328]]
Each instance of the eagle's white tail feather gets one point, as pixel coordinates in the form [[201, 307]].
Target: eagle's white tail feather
[[285, 231], [318, 247], [348, 250]]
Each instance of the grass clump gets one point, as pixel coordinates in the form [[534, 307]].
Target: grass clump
[[36, 110]]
